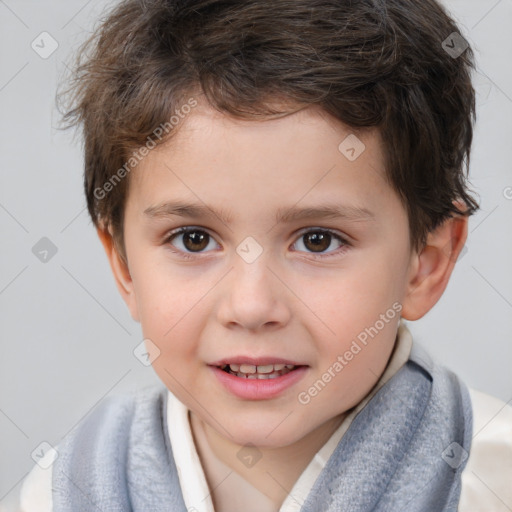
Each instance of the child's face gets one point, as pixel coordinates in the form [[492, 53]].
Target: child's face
[[212, 298]]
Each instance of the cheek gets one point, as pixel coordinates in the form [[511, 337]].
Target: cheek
[[168, 309], [352, 298], [163, 297], [360, 310]]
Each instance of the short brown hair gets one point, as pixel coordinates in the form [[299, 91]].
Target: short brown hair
[[369, 63]]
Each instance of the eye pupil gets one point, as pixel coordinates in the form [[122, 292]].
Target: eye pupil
[[197, 238], [320, 241]]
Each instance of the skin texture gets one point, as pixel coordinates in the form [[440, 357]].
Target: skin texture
[[290, 302]]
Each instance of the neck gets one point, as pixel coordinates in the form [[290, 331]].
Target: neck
[[275, 472]]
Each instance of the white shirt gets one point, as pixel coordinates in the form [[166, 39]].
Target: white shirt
[[486, 479]]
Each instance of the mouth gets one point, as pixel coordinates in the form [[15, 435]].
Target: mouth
[[258, 378], [260, 372]]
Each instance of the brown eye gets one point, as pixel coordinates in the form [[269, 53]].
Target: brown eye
[[192, 239], [195, 240], [317, 241]]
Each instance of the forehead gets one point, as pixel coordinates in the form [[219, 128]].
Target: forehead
[[205, 125], [241, 164]]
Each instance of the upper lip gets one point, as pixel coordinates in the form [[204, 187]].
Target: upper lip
[[256, 361]]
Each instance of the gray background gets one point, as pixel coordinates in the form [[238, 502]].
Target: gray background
[[66, 336]]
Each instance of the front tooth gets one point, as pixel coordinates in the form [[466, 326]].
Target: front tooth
[[267, 368], [235, 367], [247, 368]]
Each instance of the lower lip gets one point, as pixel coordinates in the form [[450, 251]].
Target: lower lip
[[258, 389]]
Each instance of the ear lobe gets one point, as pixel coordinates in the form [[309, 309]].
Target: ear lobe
[[120, 270], [433, 266]]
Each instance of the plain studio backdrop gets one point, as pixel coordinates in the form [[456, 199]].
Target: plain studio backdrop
[[67, 339]]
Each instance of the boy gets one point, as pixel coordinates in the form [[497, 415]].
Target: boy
[[278, 186]]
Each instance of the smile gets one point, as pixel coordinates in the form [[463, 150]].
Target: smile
[[262, 381], [261, 372]]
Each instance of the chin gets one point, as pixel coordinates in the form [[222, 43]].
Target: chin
[[269, 435]]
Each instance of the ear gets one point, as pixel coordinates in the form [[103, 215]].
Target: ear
[[430, 270], [120, 270]]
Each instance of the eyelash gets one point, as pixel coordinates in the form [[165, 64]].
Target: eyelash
[[185, 255]]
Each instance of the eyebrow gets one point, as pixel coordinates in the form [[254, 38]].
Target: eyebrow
[[283, 215]]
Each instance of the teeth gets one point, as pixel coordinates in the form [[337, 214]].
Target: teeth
[[251, 371], [247, 368], [267, 368], [262, 376]]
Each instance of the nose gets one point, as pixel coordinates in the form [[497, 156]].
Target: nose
[[253, 297]]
